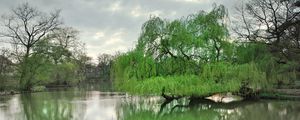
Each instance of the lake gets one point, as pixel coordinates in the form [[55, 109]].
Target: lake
[[96, 105]]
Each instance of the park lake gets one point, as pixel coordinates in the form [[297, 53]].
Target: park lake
[[117, 60], [102, 104]]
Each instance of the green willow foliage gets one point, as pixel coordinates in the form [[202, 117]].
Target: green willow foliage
[[50, 64], [198, 37], [214, 78], [267, 62], [192, 56]]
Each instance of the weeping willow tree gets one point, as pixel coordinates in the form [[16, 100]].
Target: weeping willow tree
[[197, 37], [191, 56], [277, 74], [133, 66]]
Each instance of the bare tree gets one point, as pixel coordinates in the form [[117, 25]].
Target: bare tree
[[67, 37], [63, 44], [104, 59], [26, 26], [272, 22]]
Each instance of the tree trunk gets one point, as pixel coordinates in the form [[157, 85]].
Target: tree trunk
[[24, 81]]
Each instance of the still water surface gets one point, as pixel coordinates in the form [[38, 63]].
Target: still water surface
[[95, 105]]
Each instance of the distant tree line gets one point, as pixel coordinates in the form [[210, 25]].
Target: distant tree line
[[100, 71]]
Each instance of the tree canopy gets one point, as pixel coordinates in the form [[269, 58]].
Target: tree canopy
[[193, 55]]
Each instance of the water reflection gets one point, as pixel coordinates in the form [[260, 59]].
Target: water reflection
[[64, 105], [207, 110], [94, 105], [54, 106]]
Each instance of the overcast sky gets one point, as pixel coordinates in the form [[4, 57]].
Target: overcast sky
[[107, 26]]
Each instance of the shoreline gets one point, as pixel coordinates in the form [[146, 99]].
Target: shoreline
[[45, 88], [275, 94], [281, 94]]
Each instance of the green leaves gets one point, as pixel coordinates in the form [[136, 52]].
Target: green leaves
[[192, 56], [214, 78], [186, 38]]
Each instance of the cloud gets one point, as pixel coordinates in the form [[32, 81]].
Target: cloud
[[115, 6], [107, 26], [99, 35], [116, 38], [137, 11], [193, 1]]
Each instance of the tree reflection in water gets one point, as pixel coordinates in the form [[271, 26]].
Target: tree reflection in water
[[201, 109], [95, 105], [51, 106]]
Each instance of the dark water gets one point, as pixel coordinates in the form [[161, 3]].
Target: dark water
[[95, 105]]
